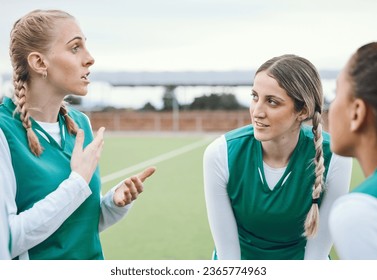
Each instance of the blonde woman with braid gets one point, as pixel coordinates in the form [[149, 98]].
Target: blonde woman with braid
[[50, 157], [269, 185]]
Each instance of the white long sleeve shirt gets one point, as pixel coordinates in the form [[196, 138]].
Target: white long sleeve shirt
[[34, 225], [220, 214], [4, 225], [353, 225]]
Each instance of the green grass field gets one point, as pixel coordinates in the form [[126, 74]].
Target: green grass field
[[168, 221]]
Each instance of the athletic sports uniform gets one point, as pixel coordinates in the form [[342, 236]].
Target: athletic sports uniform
[[258, 212], [353, 222], [53, 212]]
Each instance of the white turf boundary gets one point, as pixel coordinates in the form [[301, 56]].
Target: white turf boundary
[[155, 160]]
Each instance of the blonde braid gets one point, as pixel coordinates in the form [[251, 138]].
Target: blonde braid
[[20, 98], [312, 219], [71, 125]]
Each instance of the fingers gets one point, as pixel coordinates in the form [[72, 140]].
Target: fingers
[[130, 188], [96, 146], [84, 161], [146, 173], [134, 186], [125, 193], [79, 141], [98, 140]]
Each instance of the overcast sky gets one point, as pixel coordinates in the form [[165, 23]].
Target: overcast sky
[[178, 35]]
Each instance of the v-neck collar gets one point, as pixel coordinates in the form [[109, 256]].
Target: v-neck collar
[[287, 171], [47, 137]]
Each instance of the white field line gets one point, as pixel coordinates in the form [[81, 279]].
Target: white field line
[[155, 160]]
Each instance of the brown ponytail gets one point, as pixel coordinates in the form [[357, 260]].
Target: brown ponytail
[[70, 123]]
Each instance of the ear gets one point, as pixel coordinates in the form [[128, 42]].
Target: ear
[[358, 114], [37, 63], [303, 114]]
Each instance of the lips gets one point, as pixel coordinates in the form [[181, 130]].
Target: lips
[[85, 77], [259, 124]]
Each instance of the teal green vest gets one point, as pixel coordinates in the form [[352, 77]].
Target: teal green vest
[[271, 222], [36, 177], [368, 186]]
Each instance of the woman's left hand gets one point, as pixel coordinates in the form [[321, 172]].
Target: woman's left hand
[[131, 187]]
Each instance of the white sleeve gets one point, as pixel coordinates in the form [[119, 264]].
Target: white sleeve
[[4, 226], [31, 227], [111, 213], [337, 184], [219, 210], [353, 226]]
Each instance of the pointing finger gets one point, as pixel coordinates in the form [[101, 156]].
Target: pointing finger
[[146, 173]]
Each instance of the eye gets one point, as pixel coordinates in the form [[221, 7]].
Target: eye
[[272, 101], [254, 96], [75, 48]]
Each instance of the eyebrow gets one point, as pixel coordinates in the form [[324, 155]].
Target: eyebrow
[[75, 38], [270, 96]]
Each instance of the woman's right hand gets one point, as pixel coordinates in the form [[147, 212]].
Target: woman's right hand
[[85, 161]]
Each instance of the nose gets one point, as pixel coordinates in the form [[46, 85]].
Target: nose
[[89, 60], [257, 110]]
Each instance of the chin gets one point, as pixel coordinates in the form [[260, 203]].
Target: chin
[[340, 151], [81, 93], [260, 137]]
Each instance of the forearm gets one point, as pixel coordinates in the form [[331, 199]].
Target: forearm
[[33, 226], [111, 213], [220, 214]]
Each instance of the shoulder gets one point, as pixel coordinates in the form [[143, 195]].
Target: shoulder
[[239, 133], [308, 132], [353, 227], [7, 108], [79, 117], [308, 135], [216, 147], [368, 186], [347, 211], [76, 114]]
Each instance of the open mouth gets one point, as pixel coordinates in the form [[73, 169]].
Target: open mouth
[[259, 124], [85, 77]]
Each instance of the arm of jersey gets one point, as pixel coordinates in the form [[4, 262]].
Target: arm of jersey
[[31, 227], [111, 213], [4, 226], [337, 184], [219, 210], [353, 227]]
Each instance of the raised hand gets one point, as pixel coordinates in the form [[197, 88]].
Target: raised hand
[[85, 161], [130, 188]]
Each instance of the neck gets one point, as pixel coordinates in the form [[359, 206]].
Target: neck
[[366, 154], [276, 153], [42, 105]]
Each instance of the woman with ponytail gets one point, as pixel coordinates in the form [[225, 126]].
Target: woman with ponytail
[[269, 185], [48, 152], [353, 128]]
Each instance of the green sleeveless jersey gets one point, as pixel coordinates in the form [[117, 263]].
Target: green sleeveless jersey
[[368, 186], [36, 177], [271, 222]]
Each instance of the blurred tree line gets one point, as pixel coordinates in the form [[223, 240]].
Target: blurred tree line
[[213, 101]]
